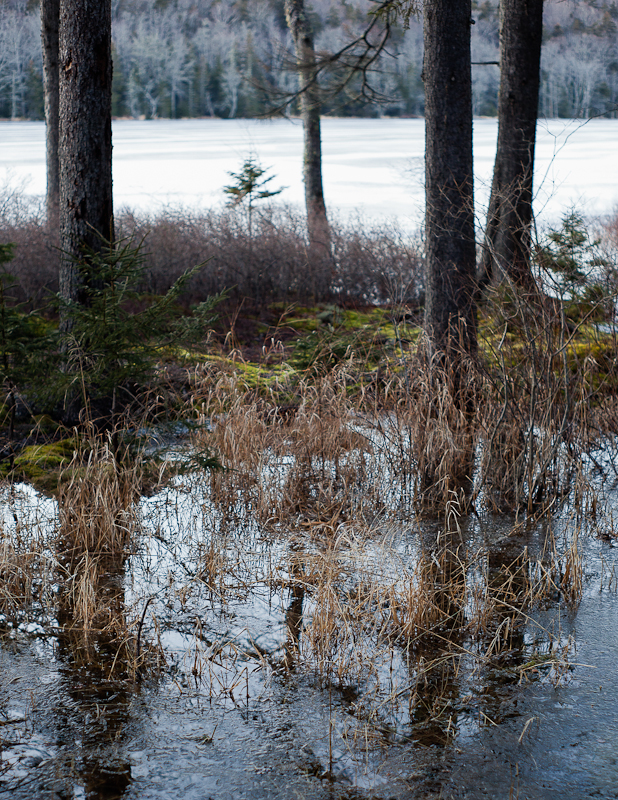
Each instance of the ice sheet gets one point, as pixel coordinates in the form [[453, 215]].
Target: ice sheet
[[372, 167]]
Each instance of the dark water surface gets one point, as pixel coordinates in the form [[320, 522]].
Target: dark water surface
[[232, 722]]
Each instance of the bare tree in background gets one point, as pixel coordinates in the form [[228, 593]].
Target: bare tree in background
[[507, 237], [317, 222], [450, 318], [50, 14], [85, 136]]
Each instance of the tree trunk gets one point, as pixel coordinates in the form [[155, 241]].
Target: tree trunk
[[318, 228], [450, 318], [85, 136], [50, 12], [506, 252]]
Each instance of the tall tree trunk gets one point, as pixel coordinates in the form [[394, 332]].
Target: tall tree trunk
[[450, 318], [318, 228], [50, 12], [85, 136], [507, 238]]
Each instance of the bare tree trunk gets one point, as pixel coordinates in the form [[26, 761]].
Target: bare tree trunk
[[85, 136], [318, 228], [450, 318], [14, 114], [50, 12], [507, 237]]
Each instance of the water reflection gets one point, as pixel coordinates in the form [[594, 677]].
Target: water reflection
[[434, 657], [293, 622], [96, 669], [394, 645]]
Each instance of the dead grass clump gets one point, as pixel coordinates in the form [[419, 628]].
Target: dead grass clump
[[331, 456], [97, 530], [21, 573], [313, 465], [400, 627], [96, 504], [445, 431], [424, 429], [26, 576], [538, 405], [27, 567]]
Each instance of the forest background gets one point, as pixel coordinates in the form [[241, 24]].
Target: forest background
[[207, 58]]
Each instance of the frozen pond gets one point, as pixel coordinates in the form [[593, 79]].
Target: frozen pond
[[374, 167]]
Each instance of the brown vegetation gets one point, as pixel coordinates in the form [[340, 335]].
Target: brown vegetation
[[371, 264], [325, 469]]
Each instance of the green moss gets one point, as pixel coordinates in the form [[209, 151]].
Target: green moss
[[369, 337], [352, 319], [303, 323], [47, 456], [258, 376], [41, 464], [175, 355]]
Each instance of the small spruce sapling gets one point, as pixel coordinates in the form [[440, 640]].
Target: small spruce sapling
[[574, 265], [112, 349], [249, 185], [28, 347]]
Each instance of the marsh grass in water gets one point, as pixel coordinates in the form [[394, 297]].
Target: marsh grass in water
[[350, 545]]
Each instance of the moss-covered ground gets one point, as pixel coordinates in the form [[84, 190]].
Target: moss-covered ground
[[272, 352]]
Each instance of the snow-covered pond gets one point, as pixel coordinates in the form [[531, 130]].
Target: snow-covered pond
[[374, 167]]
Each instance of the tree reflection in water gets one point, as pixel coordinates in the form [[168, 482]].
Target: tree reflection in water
[[97, 671]]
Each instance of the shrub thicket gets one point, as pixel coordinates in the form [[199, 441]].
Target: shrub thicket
[[373, 263]]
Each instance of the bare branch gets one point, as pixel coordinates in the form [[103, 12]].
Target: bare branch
[[355, 59]]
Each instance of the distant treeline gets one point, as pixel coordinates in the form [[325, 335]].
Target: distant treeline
[[231, 58]]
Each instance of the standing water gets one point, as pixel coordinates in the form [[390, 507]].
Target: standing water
[[359, 659]]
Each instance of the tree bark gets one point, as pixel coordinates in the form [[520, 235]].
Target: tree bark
[[85, 136], [50, 12], [506, 252], [450, 318], [318, 228]]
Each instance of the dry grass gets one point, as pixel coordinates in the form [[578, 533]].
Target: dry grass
[[27, 567], [353, 441], [394, 628], [394, 619], [330, 476], [98, 529], [324, 472]]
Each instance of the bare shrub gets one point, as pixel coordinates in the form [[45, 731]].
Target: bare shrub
[[272, 264], [36, 262], [377, 263], [268, 263]]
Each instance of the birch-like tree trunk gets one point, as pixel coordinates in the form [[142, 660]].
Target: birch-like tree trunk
[[50, 13], [450, 318], [506, 253], [318, 228], [85, 136]]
